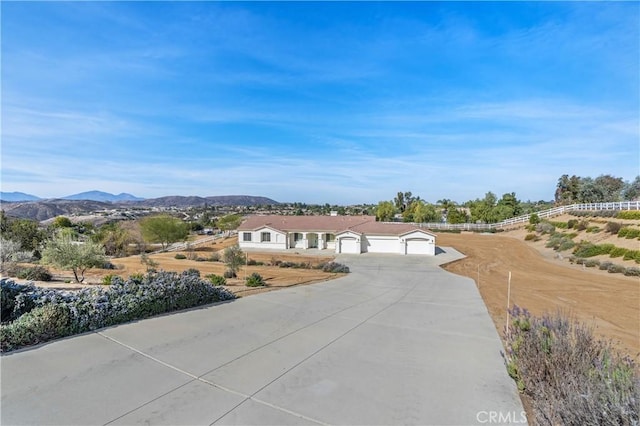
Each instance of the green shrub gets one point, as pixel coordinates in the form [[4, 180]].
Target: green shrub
[[593, 229], [632, 255], [617, 252], [216, 279], [587, 249], [531, 237], [108, 279], [561, 242], [531, 227], [255, 280], [616, 269], [605, 248], [566, 245], [572, 377], [41, 324], [534, 219], [629, 233], [632, 272], [561, 225], [613, 227], [34, 273], [180, 256], [15, 299], [229, 274], [629, 215], [571, 223]]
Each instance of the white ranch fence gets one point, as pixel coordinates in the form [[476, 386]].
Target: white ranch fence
[[543, 214]]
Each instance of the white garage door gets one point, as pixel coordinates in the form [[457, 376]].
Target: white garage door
[[418, 246], [382, 245], [349, 245]]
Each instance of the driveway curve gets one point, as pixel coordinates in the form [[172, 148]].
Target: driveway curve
[[397, 341]]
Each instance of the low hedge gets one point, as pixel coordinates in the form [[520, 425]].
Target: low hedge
[[629, 214], [41, 314], [587, 249], [629, 233]]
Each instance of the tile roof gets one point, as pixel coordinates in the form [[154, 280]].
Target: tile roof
[[333, 224], [386, 228]]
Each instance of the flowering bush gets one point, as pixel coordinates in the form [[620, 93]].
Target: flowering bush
[[95, 307]]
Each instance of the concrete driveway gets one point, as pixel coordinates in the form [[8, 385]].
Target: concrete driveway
[[397, 341]]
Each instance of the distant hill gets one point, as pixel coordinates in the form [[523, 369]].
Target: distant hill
[[17, 196], [194, 201], [240, 200], [46, 209], [102, 196]]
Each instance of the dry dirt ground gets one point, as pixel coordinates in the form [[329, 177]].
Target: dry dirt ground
[[541, 283]]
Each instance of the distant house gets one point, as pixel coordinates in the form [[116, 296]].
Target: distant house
[[342, 234]]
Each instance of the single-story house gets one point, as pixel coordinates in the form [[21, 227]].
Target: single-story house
[[342, 234]]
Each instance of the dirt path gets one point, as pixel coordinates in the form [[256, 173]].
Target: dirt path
[[611, 302]]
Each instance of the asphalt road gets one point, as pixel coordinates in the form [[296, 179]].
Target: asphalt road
[[397, 341]]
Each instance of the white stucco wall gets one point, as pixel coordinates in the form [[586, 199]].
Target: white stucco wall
[[278, 240]]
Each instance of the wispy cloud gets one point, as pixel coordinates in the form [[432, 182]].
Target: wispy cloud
[[288, 101]]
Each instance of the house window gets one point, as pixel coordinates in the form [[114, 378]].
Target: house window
[[297, 236], [330, 238], [246, 236], [265, 237]]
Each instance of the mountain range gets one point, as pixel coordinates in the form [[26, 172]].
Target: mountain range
[[87, 196], [23, 205]]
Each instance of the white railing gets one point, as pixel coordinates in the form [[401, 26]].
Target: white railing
[[186, 245], [543, 214]]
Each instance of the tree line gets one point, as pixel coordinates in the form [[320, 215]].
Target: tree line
[[604, 188], [491, 209]]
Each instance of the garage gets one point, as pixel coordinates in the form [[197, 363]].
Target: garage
[[380, 244], [418, 246], [349, 245]]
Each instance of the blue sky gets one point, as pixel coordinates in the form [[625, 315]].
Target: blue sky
[[324, 102]]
